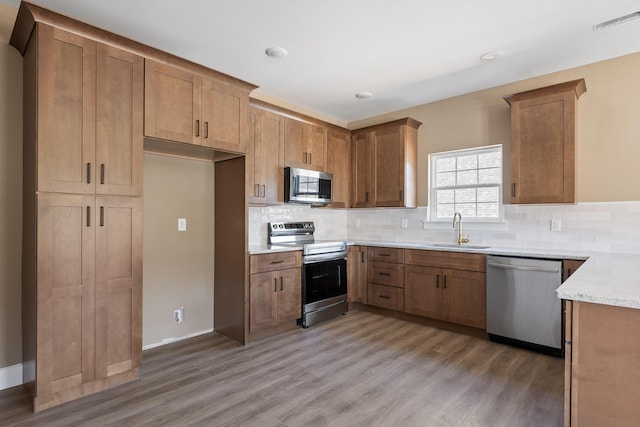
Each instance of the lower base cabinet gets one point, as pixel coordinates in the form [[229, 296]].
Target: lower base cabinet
[[602, 359], [275, 292], [357, 274], [455, 296]]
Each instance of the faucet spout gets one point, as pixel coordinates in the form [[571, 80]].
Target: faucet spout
[[461, 239]]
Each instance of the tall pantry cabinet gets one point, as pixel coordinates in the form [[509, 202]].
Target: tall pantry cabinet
[[82, 237]]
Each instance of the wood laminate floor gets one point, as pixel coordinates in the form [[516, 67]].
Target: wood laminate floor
[[362, 369]]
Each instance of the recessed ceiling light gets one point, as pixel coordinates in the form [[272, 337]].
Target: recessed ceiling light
[[491, 56], [363, 95], [616, 21], [276, 52]]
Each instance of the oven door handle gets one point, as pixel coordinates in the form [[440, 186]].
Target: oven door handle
[[311, 259]]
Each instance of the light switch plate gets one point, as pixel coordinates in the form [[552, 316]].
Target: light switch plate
[[556, 225], [182, 224]]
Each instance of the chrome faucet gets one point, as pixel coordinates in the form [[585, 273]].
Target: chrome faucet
[[461, 239]]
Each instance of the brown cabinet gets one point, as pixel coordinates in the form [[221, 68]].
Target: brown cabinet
[[275, 291], [89, 294], [89, 116], [265, 157], [82, 269], [357, 274], [543, 143], [338, 164], [569, 266], [305, 145], [385, 277], [602, 374], [384, 161], [185, 107], [434, 289]]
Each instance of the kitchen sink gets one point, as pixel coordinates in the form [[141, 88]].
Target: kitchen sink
[[454, 245]]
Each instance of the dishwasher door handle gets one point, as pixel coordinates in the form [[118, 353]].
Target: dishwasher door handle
[[522, 267]]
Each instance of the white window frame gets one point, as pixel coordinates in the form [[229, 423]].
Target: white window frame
[[455, 153]]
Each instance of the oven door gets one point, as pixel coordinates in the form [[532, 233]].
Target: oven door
[[323, 283]]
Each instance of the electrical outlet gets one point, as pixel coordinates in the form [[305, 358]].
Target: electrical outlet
[[405, 223], [556, 225], [182, 224], [178, 315]]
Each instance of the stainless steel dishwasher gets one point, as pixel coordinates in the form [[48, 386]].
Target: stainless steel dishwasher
[[522, 306]]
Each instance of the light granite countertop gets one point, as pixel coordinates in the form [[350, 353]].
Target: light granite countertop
[[604, 278]]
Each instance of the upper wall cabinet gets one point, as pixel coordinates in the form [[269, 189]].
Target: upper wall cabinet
[[543, 123], [89, 115], [305, 145], [264, 161], [384, 160], [184, 107], [338, 163]]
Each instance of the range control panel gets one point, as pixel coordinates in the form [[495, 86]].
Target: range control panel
[[291, 228]]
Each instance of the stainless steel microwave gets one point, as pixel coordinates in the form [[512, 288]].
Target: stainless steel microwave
[[307, 186]]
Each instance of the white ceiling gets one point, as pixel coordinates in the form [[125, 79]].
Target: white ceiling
[[407, 52]]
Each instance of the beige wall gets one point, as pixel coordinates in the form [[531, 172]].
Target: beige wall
[[608, 127], [177, 266], [10, 192]]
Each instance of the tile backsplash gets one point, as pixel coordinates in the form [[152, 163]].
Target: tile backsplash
[[601, 227]]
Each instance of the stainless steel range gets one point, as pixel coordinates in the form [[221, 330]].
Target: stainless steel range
[[324, 270]]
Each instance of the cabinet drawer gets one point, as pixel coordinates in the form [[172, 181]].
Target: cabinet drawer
[[386, 254], [442, 259], [275, 261], [386, 273], [385, 296]]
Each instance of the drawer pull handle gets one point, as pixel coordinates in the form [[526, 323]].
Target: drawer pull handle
[[384, 297], [384, 254], [277, 262], [384, 274]]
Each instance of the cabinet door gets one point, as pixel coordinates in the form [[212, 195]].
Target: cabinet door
[[271, 158], [338, 163], [357, 274], [361, 153], [66, 111], [172, 103], [65, 295], [263, 301], [295, 144], [289, 295], [465, 298], [118, 285], [543, 149], [253, 160], [423, 291], [224, 111], [316, 137], [265, 158], [388, 167], [119, 122]]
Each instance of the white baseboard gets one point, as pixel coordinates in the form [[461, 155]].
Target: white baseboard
[[172, 340], [10, 376]]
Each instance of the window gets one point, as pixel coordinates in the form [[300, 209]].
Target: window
[[466, 181]]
